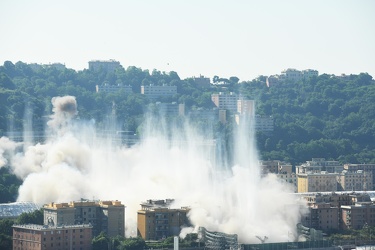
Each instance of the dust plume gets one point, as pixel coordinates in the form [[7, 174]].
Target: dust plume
[[175, 163]]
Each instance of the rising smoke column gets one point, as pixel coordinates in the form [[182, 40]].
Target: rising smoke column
[[169, 162]]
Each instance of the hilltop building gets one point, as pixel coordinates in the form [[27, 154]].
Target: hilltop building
[[38, 237], [106, 216], [155, 91], [156, 220], [108, 66], [290, 75], [226, 101], [113, 88], [202, 81]]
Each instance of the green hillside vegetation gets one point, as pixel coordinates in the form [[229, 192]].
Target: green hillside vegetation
[[324, 116]]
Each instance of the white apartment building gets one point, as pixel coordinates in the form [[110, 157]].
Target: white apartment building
[[113, 88], [226, 101], [153, 91]]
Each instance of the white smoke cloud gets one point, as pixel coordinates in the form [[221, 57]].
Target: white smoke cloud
[[6, 146], [78, 165]]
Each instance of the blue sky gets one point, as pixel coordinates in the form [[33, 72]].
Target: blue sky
[[225, 38]]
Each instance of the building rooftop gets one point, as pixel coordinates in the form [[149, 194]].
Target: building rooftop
[[47, 227]]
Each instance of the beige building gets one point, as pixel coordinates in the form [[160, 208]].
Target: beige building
[[156, 220], [333, 210], [317, 182], [358, 215], [39, 237], [156, 91], [316, 165], [322, 216], [364, 167], [106, 216], [355, 181]]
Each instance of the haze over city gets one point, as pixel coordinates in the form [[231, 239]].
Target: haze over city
[[241, 38]]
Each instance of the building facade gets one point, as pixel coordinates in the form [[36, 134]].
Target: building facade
[[39, 237], [227, 101], [113, 88], [157, 221], [106, 216], [364, 167], [317, 182], [355, 181], [155, 91], [108, 66], [316, 165], [358, 215]]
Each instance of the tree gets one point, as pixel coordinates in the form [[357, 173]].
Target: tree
[[100, 242], [132, 244], [35, 217]]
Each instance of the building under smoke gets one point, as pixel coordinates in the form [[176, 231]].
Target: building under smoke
[[157, 221]]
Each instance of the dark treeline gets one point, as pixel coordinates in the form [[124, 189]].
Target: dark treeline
[[325, 116]]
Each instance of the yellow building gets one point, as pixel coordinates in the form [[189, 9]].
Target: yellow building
[[156, 220], [317, 182]]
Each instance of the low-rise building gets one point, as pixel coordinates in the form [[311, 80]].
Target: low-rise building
[[108, 88], [44, 237]]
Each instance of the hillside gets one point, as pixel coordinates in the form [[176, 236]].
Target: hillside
[[326, 116]]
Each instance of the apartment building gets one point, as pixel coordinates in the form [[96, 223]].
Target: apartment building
[[156, 220], [322, 216], [39, 237], [358, 215], [226, 101], [106, 216], [107, 88], [317, 182], [155, 91], [316, 165], [355, 181], [108, 66], [338, 211], [308, 73], [368, 168]]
